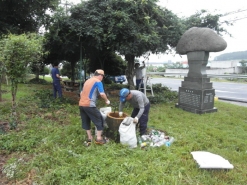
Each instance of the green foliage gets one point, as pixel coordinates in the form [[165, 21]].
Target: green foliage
[[38, 81], [130, 27], [46, 71], [162, 95], [244, 66], [46, 100], [115, 86], [203, 19], [62, 42], [18, 52], [22, 16]]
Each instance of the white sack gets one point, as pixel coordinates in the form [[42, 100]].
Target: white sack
[[127, 131]]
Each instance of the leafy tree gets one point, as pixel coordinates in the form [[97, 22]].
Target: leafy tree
[[244, 66], [45, 71], [113, 63], [204, 19], [20, 16], [19, 51], [37, 66], [132, 28], [66, 70], [62, 43]]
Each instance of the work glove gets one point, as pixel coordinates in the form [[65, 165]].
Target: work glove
[[108, 102], [120, 114], [135, 120]]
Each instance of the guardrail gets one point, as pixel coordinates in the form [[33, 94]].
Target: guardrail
[[232, 76]]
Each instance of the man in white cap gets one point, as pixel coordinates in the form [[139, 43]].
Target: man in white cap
[[139, 75], [87, 105], [141, 106]]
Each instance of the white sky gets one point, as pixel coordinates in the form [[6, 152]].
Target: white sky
[[238, 42]]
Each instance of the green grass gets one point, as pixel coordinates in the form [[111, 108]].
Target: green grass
[[48, 145]]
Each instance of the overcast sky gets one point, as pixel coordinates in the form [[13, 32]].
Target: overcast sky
[[238, 42]]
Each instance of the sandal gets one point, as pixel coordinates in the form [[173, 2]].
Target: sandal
[[100, 142], [88, 142]]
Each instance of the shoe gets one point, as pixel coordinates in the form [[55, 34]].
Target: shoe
[[88, 142], [100, 142]]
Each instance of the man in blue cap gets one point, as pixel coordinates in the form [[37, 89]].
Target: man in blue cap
[[141, 106]]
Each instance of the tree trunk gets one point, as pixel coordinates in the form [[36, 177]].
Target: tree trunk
[[13, 122], [37, 75], [130, 70], [1, 76], [72, 64]]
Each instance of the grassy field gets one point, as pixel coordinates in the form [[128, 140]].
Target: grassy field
[[47, 146]]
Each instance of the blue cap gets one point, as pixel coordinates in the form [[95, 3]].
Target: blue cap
[[123, 94]]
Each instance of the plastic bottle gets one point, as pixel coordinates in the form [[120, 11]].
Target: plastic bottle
[[144, 138], [139, 140], [169, 142]]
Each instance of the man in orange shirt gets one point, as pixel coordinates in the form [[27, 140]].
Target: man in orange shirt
[[87, 105]]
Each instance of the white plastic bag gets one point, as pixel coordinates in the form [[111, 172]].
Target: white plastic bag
[[127, 131], [104, 111]]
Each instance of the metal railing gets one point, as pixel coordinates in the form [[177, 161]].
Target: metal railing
[[232, 76]]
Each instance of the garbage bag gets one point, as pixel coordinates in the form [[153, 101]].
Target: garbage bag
[[127, 131]]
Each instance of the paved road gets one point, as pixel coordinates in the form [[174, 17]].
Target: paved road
[[227, 91]]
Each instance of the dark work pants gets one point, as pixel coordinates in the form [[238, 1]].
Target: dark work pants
[[57, 89], [143, 119], [138, 82], [89, 114]]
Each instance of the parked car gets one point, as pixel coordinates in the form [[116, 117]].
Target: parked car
[[117, 79]]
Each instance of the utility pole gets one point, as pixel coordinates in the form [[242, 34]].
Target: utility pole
[[66, 4]]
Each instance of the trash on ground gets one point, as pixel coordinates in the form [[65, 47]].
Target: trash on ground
[[207, 160], [155, 138]]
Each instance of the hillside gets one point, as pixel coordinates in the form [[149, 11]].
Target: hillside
[[239, 55]]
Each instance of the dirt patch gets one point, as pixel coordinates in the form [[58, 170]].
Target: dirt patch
[[72, 95]]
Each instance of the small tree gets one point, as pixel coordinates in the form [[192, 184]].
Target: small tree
[[244, 66], [19, 51]]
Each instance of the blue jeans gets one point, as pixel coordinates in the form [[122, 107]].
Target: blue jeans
[[57, 89], [138, 82], [143, 119]]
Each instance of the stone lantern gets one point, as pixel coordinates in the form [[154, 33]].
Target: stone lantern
[[196, 93]]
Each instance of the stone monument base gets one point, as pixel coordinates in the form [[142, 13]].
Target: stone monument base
[[198, 101]]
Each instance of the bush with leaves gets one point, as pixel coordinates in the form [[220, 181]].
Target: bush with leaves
[[163, 94]]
